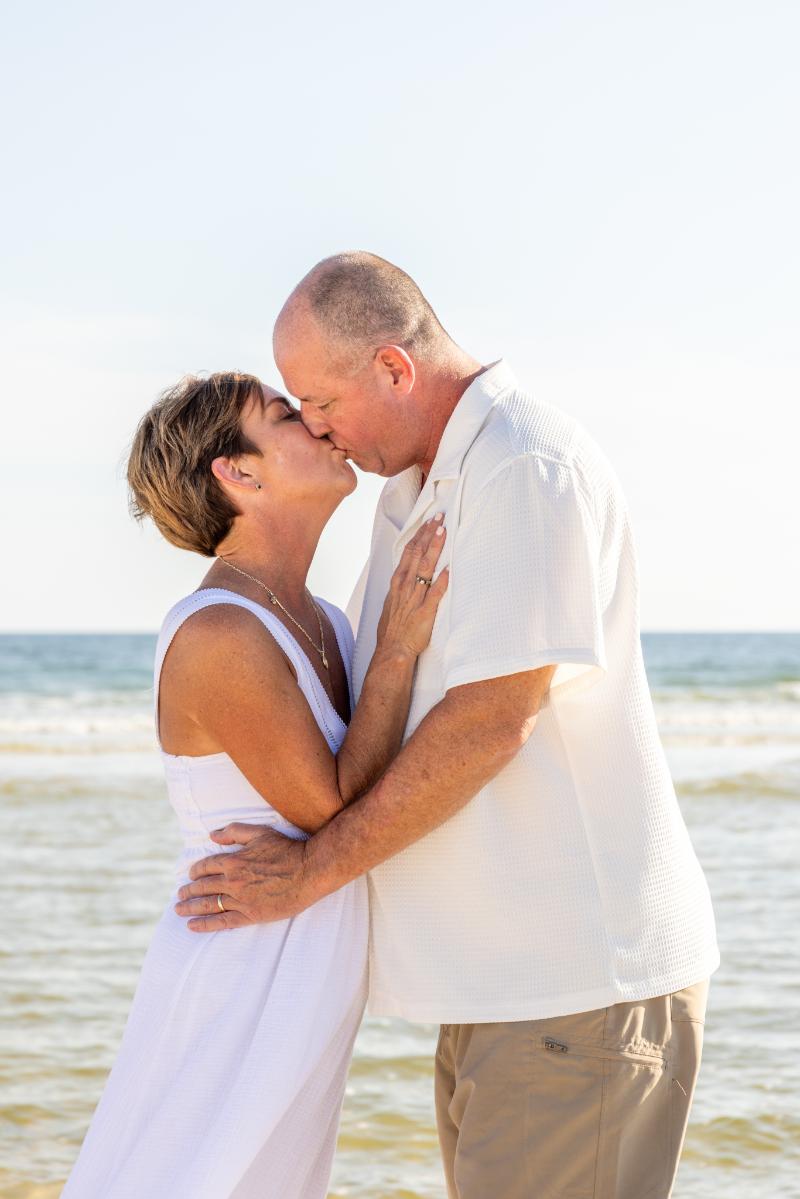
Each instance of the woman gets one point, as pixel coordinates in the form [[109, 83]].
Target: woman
[[230, 1077]]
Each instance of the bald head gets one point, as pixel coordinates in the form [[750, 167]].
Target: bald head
[[360, 302]]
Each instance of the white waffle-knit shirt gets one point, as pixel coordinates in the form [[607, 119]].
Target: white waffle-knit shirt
[[569, 881]]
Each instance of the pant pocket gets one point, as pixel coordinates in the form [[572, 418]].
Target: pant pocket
[[562, 1121], [685, 1054], [598, 1122]]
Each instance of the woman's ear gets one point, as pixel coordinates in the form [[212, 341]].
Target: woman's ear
[[229, 471]]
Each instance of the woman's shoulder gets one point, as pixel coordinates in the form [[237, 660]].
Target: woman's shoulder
[[221, 621], [211, 607]]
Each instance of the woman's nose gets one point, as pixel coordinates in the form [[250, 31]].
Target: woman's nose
[[316, 424]]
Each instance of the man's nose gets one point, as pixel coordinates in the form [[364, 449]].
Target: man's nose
[[313, 420]]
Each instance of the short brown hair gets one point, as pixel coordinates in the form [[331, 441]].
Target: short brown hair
[[169, 468]]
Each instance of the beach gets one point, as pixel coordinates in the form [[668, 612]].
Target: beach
[[88, 850]]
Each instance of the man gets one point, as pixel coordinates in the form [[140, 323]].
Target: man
[[533, 888]]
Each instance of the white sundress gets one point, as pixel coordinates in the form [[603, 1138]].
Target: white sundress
[[230, 1076]]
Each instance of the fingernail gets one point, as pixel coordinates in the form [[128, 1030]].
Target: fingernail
[[439, 516], [440, 531]]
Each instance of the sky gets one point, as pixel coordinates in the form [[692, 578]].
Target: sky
[[604, 194]]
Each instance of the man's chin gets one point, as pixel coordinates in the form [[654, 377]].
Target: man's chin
[[372, 466]]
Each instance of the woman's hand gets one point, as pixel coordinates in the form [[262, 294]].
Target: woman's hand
[[410, 607]]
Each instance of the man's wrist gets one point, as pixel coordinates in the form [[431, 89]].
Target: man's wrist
[[319, 873]]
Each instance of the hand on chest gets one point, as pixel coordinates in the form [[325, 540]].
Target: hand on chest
[[434, 498]]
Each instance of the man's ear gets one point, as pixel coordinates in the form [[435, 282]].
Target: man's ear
[[399, 365]]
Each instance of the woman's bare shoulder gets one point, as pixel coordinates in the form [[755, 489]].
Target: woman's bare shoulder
[[226, 635]]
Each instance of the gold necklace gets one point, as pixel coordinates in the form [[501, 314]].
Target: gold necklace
[[273, 597]]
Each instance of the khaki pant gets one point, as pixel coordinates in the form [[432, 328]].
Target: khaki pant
[[590, 1106]]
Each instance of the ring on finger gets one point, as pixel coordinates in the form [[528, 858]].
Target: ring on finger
[[220, 904], [427, 582]]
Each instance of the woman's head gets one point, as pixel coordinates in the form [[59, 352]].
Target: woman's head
[[211, 450]]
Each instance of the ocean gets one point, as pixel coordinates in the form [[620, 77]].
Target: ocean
[[88, 842]]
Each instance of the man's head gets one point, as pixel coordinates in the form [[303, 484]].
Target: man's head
[[358, 344]]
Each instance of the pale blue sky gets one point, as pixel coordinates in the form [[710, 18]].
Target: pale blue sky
[[604, 194]]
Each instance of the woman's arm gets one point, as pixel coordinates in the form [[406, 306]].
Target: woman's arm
[[376, 730], [235, 685]]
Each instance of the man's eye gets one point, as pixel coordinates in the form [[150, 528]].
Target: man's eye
[[327, 404]]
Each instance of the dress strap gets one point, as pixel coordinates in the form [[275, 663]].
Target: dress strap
[[344, 636]]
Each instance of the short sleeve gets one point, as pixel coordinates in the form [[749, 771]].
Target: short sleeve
[[524, 579]]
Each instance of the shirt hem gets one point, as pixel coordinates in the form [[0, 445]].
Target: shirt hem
[[380, 1003], [496, 668]]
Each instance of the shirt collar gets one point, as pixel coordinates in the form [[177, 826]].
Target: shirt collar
[[467, 418], [401, 496]]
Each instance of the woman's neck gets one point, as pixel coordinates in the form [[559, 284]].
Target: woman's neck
[[278, 558]]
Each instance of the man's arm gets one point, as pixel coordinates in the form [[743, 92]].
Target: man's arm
[[462, 743]]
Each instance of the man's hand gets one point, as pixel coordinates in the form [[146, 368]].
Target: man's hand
[[460, 745], [266, 880]]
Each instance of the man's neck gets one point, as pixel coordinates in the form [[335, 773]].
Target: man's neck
[[446, 388]]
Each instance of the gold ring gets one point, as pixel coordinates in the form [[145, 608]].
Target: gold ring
[[219, 904], [427, 582]]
